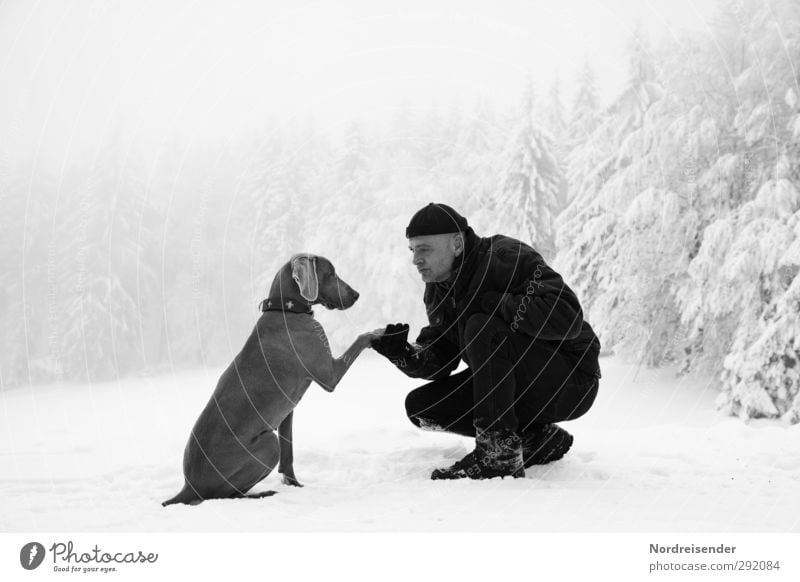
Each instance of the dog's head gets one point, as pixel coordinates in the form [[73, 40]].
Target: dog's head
[[318, 282]]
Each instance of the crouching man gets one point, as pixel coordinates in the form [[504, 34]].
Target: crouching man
[[532, 359]]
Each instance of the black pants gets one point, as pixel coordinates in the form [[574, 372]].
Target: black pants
[[512, 382]]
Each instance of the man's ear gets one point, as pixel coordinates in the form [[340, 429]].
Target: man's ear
[[304, 272], [458, 244]]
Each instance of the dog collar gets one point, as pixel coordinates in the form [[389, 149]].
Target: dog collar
[[272, 304]]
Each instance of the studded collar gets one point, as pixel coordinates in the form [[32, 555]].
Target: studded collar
[[290, 305]]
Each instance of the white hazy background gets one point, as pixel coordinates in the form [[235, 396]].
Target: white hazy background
[[74, 72]]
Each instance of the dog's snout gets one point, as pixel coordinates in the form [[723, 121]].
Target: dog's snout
[[350, 297], [346, 295]]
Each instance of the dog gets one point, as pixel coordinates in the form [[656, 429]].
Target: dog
[[233, 444]]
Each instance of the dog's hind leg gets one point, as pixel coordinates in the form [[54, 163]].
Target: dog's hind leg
[[261, 495], [265, 457]]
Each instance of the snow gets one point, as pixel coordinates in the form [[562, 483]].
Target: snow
[[652, 455]]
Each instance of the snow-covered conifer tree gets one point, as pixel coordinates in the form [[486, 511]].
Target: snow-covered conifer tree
[[527, 201]]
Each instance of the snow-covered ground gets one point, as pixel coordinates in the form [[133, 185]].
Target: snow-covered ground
[[653, 455]]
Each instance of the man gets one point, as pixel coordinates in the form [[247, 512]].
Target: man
[[532, 358]]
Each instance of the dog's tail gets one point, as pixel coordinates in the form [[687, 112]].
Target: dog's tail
[[187, 495]]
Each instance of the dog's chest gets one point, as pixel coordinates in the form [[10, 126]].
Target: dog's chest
[[293, 345]]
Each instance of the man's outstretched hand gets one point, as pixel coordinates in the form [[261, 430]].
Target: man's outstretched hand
[[394, 341]]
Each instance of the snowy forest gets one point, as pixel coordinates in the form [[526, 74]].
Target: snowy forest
[[673, 211]]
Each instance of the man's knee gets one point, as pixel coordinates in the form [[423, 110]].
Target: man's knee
[[414, 404], [417, 410], [412, 401]]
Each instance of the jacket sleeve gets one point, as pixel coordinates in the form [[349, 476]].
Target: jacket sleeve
[[431, 357], [537, 302], [434, 356]]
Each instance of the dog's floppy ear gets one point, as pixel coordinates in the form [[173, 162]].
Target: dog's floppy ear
[[304, 272]]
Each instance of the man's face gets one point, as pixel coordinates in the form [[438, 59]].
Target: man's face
[[433, 255]]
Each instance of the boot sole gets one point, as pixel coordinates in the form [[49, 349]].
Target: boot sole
[[439, 476]]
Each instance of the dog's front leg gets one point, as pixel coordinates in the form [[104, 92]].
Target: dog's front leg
[[286, 464], [341, 365]]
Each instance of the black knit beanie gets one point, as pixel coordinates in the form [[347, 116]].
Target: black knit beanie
[[435, 219]]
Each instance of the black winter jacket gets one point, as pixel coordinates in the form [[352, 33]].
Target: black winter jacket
[[535, 302]]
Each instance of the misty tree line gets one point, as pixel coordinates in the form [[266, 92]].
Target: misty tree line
[[672, 212]]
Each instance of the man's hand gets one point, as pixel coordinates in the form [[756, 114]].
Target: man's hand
[[393, 343]]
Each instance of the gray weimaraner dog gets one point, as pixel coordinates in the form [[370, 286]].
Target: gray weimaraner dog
[[233, 444]]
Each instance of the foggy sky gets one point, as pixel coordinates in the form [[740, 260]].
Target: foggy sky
[[74, 72]]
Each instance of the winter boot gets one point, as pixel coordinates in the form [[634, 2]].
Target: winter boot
[[544, 443], [498, 453]]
